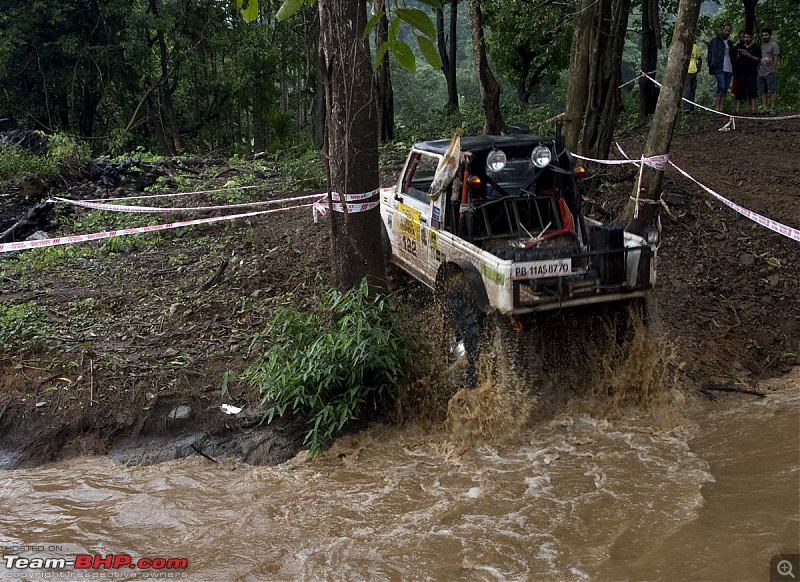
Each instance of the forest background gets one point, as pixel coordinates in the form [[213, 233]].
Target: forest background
[[177, 76]]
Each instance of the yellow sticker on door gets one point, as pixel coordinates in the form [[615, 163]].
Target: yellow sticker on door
[[408, 221]]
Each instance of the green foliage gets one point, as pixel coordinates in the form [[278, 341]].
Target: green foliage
[[22, 326], [64, 155], [328, 362], [529, 42], [49, 258], [302, 168], [419, 21], [248, 9]]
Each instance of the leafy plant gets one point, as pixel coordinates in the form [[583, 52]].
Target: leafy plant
[[64, 154], [22, 325], [327, 363]]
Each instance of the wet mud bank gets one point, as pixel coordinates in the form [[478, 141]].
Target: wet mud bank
[[169, 429]]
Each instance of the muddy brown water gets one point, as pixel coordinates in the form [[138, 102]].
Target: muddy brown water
[[570, 497]]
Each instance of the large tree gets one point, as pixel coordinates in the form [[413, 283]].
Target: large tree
[[383, 77], [665, 116], [446, 44], [651, 42], [593, 97], [489, 87], [351, 145]]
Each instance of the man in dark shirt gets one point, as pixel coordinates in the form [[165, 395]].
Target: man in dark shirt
[[745, 71], [720, 64]]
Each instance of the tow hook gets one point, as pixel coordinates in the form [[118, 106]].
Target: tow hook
[[517, 324]]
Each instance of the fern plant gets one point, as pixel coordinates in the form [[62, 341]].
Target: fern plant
[[327, 363]]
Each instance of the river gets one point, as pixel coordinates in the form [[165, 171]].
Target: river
[[571, 497]]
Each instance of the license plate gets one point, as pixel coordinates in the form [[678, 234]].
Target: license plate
[[541, 269]]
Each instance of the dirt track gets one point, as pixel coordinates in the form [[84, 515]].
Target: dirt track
[[133, 332]]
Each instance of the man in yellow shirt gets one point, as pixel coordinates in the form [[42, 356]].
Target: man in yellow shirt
[[690, 88]]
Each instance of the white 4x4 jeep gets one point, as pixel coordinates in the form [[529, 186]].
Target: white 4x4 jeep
[[494, 223]]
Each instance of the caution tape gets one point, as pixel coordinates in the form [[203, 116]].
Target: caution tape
[[604, 162], [32, 244], [97, 205], [351, 204], [173, 194], [731, 124], [773, 225]]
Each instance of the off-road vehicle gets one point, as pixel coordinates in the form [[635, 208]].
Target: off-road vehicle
[[494, 224]]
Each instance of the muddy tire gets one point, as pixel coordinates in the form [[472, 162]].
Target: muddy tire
[[464, 322]]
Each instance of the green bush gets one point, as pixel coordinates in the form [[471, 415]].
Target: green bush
[[329, 362], [64, 155], [23, 326]]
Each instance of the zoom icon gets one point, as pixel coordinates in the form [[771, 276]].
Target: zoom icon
[[784, 567]]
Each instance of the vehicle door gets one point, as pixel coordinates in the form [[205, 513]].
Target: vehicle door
[[416, 213]]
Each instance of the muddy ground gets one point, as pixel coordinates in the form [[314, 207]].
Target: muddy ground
[[120, 346]]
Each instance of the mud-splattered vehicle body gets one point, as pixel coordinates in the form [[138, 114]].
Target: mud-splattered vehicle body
[[498, 219]]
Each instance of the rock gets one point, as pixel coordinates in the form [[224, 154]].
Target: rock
[[38, 235], [746, 259], [183, 412]]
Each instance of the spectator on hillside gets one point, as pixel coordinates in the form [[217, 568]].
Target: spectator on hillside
[[768, 68], [689, 90], [745, 71], [720, 64]]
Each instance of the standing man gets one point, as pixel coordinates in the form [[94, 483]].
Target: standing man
[[720, 65], [695, 62], [768, 68], [747, 59]]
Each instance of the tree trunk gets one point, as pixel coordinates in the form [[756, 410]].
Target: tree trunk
[[448, 60], [578, 84], [651, 42], [383, 78], [663, 123], [750, 17], [351, 141], [318, 106], [489, 88], [593, 95]]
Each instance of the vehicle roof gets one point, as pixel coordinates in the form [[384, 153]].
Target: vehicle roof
[[477, 143]]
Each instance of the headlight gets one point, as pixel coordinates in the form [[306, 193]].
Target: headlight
[[495, 161], [541, 156]]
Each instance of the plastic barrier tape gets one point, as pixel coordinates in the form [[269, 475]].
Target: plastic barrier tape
[[773, 225], [31, 244], [94, 204], [731, 123], [320, 208]]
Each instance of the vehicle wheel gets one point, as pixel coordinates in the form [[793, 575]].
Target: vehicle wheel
[[463, 322]]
